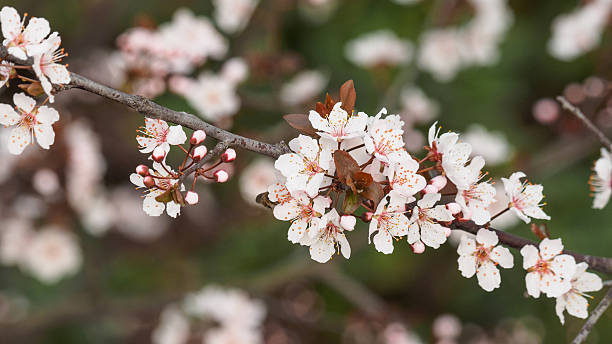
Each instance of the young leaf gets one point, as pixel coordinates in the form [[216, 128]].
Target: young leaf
[[301, 123], [351, 202], [165, 197], [373, 192], [348, 96], [346, 166]]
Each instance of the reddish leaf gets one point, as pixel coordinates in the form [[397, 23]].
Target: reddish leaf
[[301, 123], [346, 166], [320, 109], [165, 197], [177, 197], [373, 192], [362, 180], [351, 203], [540, 230], [329, 103], [348, 96]]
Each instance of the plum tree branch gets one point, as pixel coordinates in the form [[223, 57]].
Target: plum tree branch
[[592, 320], [587, 122]]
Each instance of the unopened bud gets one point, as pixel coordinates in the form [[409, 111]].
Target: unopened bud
[[199, 153], [447, 231], [454, 208], [191, 198], [439, 182], [197, 137], [418, 247], [367, 216], [430, 189], [159, 154], [221, 176], [229, 155], [348, 222], [142, 170], [149, 181]]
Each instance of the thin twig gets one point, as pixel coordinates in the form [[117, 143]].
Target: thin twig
[[578, 113], [592, 320]]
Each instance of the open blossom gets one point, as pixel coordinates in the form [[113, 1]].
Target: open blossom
[[378, 48], [306, 168], [328, 237], [524, 199], [173, 327], [46, 67], [384, 138], [416, 106], [339, 125], [256, 178], [303, 87], [574, 301], [233, 15], [29, 120], [18, 40], [548, 270], [390, 223], [424, 224], [601, 181], [51, 254], [150, 205], [157, 132], [475, 199], [404, 179], [481, 257], [440, 53], [303, 212]]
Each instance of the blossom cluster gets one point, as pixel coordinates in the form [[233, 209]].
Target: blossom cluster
[[239, 318], [346, 165], [163, 187], [34, 42]]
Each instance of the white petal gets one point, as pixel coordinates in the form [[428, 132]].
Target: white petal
[[383, 242], [486, 237], [503, 257], [57, 73], [345, 248], [173, 209], [24, 102], [413, 233], [530, 256], [297, 230], [587, 282], [19, 139], [287, 211], [313, 185], [47, 115], [322, 250], [318, 122], [532, 282], [432, 234], [137, 180], [347, 222], [37, 30], [488, 276], [176, 135], [577, 305], [467, 265], [8, 116], [152, 207], [467, 246], [357, 123], [45, 136], [564, 265], [11, 22], [554, 286], [308, 147], [550, 248], [560, 307], [429, 200], [289, 164]]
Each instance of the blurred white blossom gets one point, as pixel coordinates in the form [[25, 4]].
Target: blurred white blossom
[[378, 48], [303, 87]]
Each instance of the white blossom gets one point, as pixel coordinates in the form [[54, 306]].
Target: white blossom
[[416, 106], [377, 48], [157, 132], [18, 40], [601, 181], [384, 138], [150, 205], [524, 199], [492, 146], [475, 198], [481, 257], [233, 15], [303, 87], [548, 270], [173, 327], [329, 237], [424, 225], [46, 65], [339, 125], [15, 235], [303, 212], [574, 301], [389, 223], [256, 178], [440, 53]]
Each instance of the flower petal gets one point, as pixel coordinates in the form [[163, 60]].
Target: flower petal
[[8, 115], [488, 276], [503, 257], [19, 139]]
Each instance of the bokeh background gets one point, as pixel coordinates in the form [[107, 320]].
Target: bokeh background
[[128, 275]]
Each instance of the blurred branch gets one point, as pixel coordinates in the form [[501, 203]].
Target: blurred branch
[[601, 264], [592, 320], [578, 113]]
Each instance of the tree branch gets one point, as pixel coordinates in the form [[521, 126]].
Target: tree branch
[[601, 264], [578, 113], [592, 320]]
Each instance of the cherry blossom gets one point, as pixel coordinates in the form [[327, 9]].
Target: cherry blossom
[[29, 120], [18, 40], [601, 181], [440, 53], [51, 254], [548, 270], [173, 327], [303, 212], [388, 222], [377, 48], [574, 301], [46, 67], [306, 168], [157, 132], [329, 236], [233, 15], [524, 199], [384, 138], [339, 125], [256, 178], [424, 224], [162, 183], [492, 146], [416, 106], [475, 198], [481, 257], [404, 179]]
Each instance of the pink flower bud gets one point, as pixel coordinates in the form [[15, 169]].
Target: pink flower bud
[[159, 154], [367, 216], [199, 153], [229, 155], [454, 208], [221, 176], [439, 182], [447, 231], [348, 222], [418, 247], [191, 197], [148, 181], [430, 189], [142, 170], [197, 137]]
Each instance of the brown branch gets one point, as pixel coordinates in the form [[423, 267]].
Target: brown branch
[[601, 264], [578, 113], [592, 320], [219, 148]]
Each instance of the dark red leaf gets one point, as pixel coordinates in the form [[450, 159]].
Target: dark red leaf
[[373, 192], [301, 123], [348, 96], [346, 166]]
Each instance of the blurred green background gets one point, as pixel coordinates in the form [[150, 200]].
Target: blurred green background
[[123, 285]]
